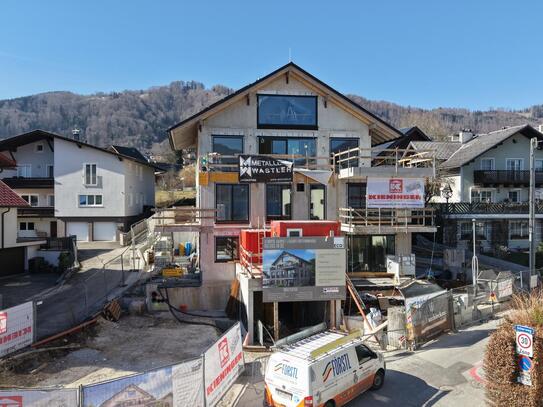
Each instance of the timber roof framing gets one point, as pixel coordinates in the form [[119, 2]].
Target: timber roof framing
[[184, 134]]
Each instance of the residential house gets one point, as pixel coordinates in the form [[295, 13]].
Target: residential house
[[75, 188], [489, 178], [14, 251], [290, 114], [289, 270]]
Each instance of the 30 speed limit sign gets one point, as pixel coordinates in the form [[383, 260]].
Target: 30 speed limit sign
[[525, 340]]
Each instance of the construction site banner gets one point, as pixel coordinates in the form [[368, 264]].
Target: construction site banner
[[16, 328], [395, 193], [303, 269], [223, 364], [260, 168], [39, 398], [178, 386]]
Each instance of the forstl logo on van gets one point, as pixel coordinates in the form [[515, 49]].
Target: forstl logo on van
[[286, 370], [336, 366]]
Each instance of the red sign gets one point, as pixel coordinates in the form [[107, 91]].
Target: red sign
[[11, 401], [3, 323], [395, 186], [224, 353]]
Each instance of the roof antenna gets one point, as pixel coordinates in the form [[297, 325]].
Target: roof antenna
[[289, 55]]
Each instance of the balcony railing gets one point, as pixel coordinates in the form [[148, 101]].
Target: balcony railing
[[187, 218], [506, 177], [215, 162], [486, 208], [378, 157], [395, 218], [21, 182]]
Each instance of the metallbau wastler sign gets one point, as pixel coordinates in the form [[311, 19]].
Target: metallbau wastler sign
[[259, 168]]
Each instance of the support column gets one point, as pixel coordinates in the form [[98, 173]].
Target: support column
[[276, 320]]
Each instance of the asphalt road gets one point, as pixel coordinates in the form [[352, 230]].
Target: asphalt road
[[446, 372]]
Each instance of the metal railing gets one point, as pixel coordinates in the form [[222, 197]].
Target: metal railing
[[397, 218], [214, 162], [376, 157], [484, 208]]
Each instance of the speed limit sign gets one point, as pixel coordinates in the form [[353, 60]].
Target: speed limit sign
[[525, 340]]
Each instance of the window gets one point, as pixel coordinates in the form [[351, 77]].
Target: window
[[90, 200], [287, 112], [518, 229], [514, 195], [368, 253], [226, 248], [364, 354], [39, 148], [24, 170], [478, 195], [90, 174], [514, 164], [300, 147], [277, 202], [356, 195], [26, 226], [317, 202], [50, 171], [295, 232], [487, 164], [466, 230], [232, 202], [538, 165], [483, 230], [50, 200], [343, 144], [31, 199], [228, 145]]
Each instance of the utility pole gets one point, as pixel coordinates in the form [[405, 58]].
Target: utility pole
[[474, 259], [531, 220]]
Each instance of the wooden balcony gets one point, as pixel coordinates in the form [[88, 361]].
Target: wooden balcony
[[506, 177], [386, 221], [487, 208]]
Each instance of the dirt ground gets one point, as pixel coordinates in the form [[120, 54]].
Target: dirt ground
[[109, 350]]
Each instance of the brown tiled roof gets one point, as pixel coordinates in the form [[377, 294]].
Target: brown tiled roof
[[9, 199], [6, 162]]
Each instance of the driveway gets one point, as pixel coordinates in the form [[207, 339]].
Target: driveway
[[447, 372]]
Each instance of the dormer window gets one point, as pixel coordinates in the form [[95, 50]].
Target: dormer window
[[39, 148], [287, 112]]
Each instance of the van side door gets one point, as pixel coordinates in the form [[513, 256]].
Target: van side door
[[367, 366]]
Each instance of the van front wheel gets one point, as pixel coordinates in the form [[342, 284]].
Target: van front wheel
[[378, 380], [330, 403]]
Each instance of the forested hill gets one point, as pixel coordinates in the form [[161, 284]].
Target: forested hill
[[140, 118]]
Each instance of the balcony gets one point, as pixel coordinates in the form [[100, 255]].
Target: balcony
[[487, 208], [187, 219], [36, 212], [386, 221], [378, 162], [506, 177], [31, 182]]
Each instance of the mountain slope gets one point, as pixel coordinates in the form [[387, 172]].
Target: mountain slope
[[140, 118]]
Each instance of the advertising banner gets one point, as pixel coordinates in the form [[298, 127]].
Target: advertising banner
[[395, 193], [223, 364], [303, 269], [260, 168], [16, 328], [39, 398], [178, 386]]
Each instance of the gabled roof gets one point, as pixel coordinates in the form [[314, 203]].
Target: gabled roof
[[183, 134], [409, 134], [6, 162], [9, 199], [285, 253], [128, 152], [12, 143], [481, 143], [443, 150], [416, 133]]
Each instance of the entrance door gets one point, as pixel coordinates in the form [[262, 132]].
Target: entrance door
[[53, 230]]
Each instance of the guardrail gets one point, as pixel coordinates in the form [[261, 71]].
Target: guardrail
[[484, 208], [376, 157], [400, 218], [214, 162]]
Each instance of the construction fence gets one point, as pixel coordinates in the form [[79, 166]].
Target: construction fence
[[197, 382]]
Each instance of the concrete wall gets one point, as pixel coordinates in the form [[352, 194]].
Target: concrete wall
[[140, 183], [27, 154]]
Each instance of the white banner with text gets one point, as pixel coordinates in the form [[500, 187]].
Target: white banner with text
[[395, 193]]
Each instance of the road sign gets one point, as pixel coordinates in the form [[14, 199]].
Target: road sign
[[525, 363], [525, 340], [525, 378]]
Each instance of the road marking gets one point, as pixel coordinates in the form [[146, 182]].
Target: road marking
[[477, 372]]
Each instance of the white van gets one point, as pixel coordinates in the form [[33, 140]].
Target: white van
[[327, 369]]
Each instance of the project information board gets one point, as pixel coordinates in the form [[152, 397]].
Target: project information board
[[303, 269]]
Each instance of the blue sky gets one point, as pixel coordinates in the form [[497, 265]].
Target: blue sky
[[474, 54]]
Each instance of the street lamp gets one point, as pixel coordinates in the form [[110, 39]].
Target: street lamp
[[447, 192]]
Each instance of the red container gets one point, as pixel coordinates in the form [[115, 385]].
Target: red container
[[310, 228], [250, 241]]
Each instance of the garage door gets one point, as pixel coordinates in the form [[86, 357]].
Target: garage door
[[12, 261], [105, 231], [79, 229]]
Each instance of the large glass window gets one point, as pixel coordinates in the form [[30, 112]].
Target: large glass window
[[317, 202], [287, 112], [368, 253], [226, 248], [228, 145], [518, 229], [232, 203], [31, 199], [356, 195], [481, 196], [514, 164], [278, 202], [343, 144], [300, 147]]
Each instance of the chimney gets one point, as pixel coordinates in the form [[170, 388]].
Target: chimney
[[465, 135], [75, 134]]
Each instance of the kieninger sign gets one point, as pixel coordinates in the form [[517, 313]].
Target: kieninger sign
[[395, 193], [223, 364], [16, 328]]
